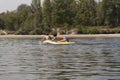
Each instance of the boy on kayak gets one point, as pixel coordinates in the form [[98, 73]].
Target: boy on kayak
[[47, 37], [59, 38]]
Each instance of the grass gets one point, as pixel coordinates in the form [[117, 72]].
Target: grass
[[98, 30]]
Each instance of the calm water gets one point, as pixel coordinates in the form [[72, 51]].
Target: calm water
[[88, 59]]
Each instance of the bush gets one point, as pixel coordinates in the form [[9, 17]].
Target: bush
[[85, 30], [93, 31], [81, 29]]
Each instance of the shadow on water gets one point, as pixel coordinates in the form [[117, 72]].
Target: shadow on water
[[88, 59]]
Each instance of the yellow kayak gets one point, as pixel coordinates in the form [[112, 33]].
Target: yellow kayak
[[53, 42], [65, 42]]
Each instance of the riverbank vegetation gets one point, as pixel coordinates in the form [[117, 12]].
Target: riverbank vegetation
[[64, 16]]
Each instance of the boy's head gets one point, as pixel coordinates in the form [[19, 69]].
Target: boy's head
[[55, 34]]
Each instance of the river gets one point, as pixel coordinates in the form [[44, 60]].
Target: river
[[88, 59]]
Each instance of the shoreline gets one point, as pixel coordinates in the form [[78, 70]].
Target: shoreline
[[69, 36]]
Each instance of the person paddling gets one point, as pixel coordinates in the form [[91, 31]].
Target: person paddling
[[59, 38], [47, 37]]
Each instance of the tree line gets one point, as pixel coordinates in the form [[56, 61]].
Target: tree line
[[64, 14]]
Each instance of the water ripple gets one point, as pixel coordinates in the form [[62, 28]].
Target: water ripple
[[88, 59]]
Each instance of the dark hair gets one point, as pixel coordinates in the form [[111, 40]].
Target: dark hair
[[46, 33], [55, 34]]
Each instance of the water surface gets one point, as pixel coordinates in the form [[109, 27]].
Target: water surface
[[88, 59]]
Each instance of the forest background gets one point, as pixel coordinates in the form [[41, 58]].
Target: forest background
[[63, 16]]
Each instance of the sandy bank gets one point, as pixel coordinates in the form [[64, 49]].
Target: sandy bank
[[93, 35], [69, 36]]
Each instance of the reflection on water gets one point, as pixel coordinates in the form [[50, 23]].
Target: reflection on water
[[88, 59]]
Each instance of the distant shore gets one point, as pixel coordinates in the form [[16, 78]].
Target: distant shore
[[69, 36]]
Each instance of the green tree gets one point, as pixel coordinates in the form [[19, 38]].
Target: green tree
[[47, 12], [63, 12], [10, 20], [99, 14], [36, 5], [37, 12], [86, 14], [111, 11], [21, 7], [23, 11], [27, 26], [2, 24]]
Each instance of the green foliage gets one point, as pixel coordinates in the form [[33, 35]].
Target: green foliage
[[93, 31], [86, 12], [111, 11], [2, 24], [85, 30], [47, 12], [36, 5], [81, 29], [63, 14]]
